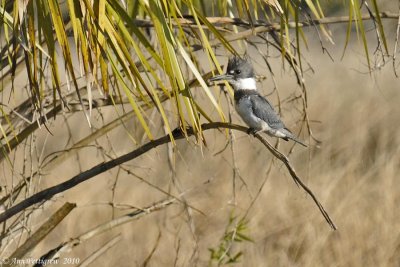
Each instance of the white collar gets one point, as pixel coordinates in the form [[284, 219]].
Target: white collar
[[246, 84]]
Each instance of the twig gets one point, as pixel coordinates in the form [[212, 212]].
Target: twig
[[148, 258], [100, 251], [177, 134], [267, 175]]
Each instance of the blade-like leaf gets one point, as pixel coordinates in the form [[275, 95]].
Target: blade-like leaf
[[380, 25]]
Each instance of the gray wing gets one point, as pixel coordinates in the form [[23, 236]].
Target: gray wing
[[264, 110]]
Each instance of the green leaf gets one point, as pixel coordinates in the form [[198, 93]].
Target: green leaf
[[360, 24], [380, 25]]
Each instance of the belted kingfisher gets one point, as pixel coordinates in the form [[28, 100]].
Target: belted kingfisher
[[255, 110]]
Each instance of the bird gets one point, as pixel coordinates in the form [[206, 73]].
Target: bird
[[254, 109]]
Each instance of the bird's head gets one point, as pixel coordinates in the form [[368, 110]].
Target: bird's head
[[239, 74]]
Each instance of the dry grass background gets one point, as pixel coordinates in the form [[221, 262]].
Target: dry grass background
[[353, 173]]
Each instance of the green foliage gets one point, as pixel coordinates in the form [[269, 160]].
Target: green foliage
[[225, 252], [144, 51]]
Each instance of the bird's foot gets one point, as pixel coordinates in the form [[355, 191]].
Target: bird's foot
[[252, 131]]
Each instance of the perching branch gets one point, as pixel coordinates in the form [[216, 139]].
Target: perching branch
[[177, 134]]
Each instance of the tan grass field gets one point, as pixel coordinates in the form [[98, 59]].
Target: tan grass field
[[353, 173]]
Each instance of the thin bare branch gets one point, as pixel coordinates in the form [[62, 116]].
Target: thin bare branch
[[100, 251], [148, 258]]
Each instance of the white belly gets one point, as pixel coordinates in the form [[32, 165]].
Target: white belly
[[244, 109]]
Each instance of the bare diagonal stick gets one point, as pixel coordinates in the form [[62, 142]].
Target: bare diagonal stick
[[43, 231], [297, 179], [177, 134]]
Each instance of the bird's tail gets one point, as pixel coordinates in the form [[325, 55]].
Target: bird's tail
[[291, 136], [297, 140]]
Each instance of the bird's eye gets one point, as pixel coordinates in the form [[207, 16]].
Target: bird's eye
[[238, 71]]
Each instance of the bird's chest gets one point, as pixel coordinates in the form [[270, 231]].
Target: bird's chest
[[243, 105], [244, 108]]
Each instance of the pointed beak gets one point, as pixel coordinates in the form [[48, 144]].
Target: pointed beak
[[222, 77]]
